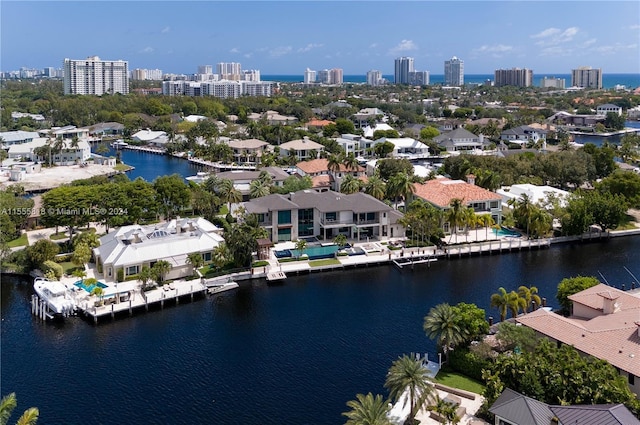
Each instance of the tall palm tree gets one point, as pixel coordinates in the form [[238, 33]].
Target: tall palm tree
[[145, 276], [375, 187], [400, 186], [301, 245], [500, 300], [486, 221], [470, 219], [195, 260], [408, 373], [540, 222], [515, 303], [529, 294], [368, 410], [160, 270], [442, 324], [258, 189], [350, 162], [334, 162], [350, 184], [522, 210], [455, 216]]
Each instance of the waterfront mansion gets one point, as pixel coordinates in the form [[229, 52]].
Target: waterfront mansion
[[325, 215], [122, 253]]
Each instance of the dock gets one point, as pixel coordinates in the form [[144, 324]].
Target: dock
[[411, 261], [276, 276]]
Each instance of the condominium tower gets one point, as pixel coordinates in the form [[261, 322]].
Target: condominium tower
[[229, 70], [519, 77], [403, 66], [454, 72], [309, 76], [94, 76], [374, 78], [587, 77]]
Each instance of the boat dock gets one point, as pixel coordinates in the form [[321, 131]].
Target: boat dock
[[219, 166], [276, 276], [127, 300]]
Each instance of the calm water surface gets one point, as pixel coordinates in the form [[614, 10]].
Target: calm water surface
[[288, 354]]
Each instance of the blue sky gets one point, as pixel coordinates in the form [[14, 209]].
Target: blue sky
[[286, 37]]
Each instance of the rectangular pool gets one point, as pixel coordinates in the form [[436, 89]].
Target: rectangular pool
[[314, 252]]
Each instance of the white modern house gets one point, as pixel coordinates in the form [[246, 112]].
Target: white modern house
[[406, 147], [524, 134], [71, 153], [536, 194], [368, 131], [355, 144], [608, 107], [149, 137], [123, 253], [17, 137]]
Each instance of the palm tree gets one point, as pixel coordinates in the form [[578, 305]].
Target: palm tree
[[455, 215], [400, 185], [375, 187], [160, 270], [368, 410], [350, 184], [334, 162], [470, 219], [350, 162], [80, 273], [340, 240], [442, 324], [301, 245], [196, 261], [258, 189], [515, 303], [448, 411], [500, 300], [220, 256], [529, 294], [408, 373], [8, 403], [522, 210], [486, 220], [144, 276], [540, 222]]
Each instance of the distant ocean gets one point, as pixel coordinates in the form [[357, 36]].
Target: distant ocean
[[608, 80]]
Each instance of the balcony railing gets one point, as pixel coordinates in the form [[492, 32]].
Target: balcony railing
[[350, 222]]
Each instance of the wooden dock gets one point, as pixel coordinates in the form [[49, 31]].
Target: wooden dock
[[276, 276]]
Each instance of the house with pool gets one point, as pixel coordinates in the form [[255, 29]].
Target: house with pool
[[325, 215], [441, 191], [123, 252]]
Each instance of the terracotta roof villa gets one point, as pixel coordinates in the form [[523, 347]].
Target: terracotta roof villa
[[513, 408], [325, 214], [605, 323], [323, 178], [441, 191]]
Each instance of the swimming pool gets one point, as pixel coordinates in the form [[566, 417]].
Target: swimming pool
[[89, 288], [503, 231], [314, 252]]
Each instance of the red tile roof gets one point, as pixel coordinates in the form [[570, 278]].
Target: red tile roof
[[440, 192], [319, 165], [319, 123], [611, 337]]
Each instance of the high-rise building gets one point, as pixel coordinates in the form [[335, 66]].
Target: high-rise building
[[229, 70], [336, 76], [587, 77], [205, 69], [519, 77], [419, 78], [94, 76], [374, 78], [454, 72], [552, 82], [309, 76], [403, 66]]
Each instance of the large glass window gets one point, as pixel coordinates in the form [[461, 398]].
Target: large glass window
[[132, 270], [305, 222], [284, 235], [330, 216], [284, 217]]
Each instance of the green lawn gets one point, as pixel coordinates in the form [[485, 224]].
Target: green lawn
[[457, 380], [68, 267], [122, 167], [325, 262], [21, 241], [58, 236]]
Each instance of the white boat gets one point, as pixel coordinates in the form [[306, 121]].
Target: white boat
[[119, 144], [59, 298], [200, 177], [221, 287]]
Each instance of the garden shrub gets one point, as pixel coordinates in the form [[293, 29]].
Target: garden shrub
[[120, 275], [55, 268], [464, 361]]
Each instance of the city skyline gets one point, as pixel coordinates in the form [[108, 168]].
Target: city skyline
[[547, 37]]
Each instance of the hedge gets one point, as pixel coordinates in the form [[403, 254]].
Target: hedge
[[464, 361]]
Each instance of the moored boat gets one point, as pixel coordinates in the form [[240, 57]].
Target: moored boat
[[58, 298]]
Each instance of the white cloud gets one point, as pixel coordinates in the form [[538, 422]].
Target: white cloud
[[634, 27], [403, 46], [546, 33], [614, 48], [280, 51], [248, 55], [234, 50], [555, 36], [373, 45], [147, 49], [165, 30], [497, 48], [588, 43], [309, 47]]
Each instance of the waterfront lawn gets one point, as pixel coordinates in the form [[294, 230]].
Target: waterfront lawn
[[122, 167], [325, 262], [68, 267], [628, 222], [21, 241], [454, 379]]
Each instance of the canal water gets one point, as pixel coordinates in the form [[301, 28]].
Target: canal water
[[293, 353]]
